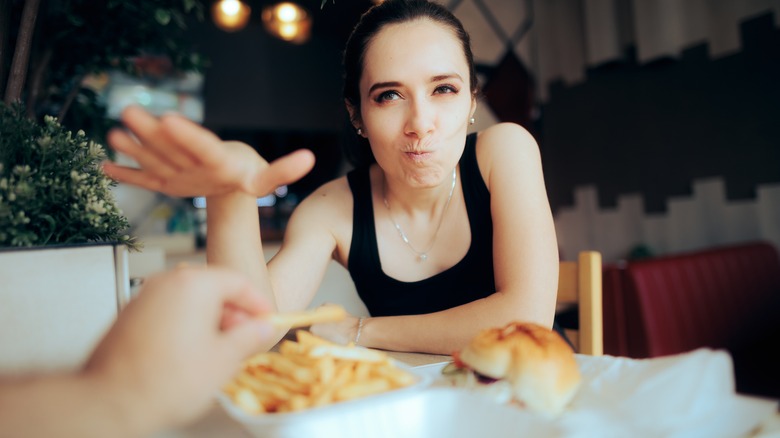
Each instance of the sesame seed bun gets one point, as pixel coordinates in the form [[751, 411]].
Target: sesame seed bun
[[537, 362]]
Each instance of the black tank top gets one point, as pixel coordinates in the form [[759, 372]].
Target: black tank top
[[468, 280]]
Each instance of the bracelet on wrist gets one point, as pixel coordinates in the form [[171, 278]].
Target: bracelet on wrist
[[359, 329]]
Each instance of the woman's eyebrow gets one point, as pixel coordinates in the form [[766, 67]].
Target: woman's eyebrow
[[436, 78], [442, 77], [383, 85]]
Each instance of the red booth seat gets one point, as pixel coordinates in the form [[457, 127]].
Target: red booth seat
[[726, 297]]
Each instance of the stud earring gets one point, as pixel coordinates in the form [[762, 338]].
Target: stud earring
[[471, 121], [360, 131]]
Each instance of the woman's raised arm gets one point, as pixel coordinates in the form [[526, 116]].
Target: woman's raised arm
[[180, 158]]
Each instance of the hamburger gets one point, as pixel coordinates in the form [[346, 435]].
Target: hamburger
[[520, 363]]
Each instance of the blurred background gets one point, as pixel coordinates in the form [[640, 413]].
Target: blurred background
[[657, 120]]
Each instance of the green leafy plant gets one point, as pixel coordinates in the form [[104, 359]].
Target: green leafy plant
[[52, 188], [48, 49]]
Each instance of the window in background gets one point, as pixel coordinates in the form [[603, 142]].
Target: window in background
[[157, 88]]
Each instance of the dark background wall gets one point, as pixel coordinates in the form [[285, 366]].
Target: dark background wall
[[256, 81], [278, 96], [653, 129]]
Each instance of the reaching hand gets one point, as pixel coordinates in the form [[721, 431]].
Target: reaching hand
[[180, 158], [178, 342]]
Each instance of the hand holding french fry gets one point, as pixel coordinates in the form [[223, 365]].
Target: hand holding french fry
[[323, 314], [329, 321]]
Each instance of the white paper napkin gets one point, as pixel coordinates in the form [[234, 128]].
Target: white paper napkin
[[686, 395]]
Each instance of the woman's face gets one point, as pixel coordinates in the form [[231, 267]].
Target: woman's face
[[415, 101]]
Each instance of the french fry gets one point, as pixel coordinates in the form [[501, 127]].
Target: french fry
[[312, 372], [291, 349], [362, 389], [327, 369], [362, 370], [329, 313], [261, 387], [258, 360], [307, 340], [285, 366], [247, 401], [398, 377], [298, 402], [349, 353], [281, 380]]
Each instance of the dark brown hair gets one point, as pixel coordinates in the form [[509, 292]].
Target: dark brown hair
[[375, 19]]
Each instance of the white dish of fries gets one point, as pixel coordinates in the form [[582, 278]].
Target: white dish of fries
[[308, 384], [415, 412]]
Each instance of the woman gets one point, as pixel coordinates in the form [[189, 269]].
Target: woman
[[444, 235]]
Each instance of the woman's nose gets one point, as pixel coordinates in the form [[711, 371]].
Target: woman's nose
[[422, 118]]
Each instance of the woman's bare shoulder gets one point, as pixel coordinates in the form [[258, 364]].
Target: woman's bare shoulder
[[505, 135], [505, 146], [325, 216], [330, 198]]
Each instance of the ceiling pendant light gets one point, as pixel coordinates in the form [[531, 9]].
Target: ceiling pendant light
[[287, 21], [230, 15]]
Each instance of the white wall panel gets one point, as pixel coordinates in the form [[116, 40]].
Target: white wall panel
[[704, 219]]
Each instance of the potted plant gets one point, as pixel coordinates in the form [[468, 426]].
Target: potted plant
[[52, 189], [56, 203], [63, 240]]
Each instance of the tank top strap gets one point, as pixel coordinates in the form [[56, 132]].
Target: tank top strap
[[363, 250]]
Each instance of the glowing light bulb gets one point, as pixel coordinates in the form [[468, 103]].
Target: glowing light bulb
[[287, 21], [231, 15], [230, 7], [287, 12]]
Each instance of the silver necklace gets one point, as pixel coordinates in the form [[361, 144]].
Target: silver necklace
[[421, 255]]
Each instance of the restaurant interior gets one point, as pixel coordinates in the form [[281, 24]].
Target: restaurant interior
[[673, 147], [657, 124]]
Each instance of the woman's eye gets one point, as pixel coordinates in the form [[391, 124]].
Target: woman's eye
[[387, 96], [445, 89]]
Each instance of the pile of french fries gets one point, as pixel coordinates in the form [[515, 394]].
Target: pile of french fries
[[312, 372]]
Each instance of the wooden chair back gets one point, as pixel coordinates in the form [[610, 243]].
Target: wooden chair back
[[579, 283]]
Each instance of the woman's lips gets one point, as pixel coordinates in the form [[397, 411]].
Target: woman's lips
[[419, 156]]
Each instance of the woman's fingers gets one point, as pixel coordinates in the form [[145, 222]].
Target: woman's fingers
[[155, 139], [285, 170], [133, 176], [179, 157], [199, 143], [149, 161]]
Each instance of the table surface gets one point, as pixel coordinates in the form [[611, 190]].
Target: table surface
[[216, 422]]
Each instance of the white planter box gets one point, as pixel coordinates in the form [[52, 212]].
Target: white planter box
[[57, 302]]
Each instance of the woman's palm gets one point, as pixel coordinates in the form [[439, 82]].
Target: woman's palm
[[179, 158]]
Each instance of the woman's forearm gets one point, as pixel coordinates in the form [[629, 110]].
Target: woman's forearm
[[233, 241], [449, 330], [233, 238]]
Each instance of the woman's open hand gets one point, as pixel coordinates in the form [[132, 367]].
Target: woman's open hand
[[180, 158]]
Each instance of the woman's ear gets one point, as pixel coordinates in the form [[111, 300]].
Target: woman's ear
[[354, 117], [473, 107]]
